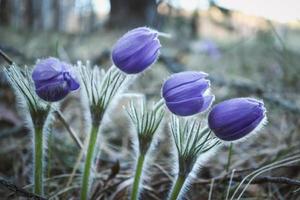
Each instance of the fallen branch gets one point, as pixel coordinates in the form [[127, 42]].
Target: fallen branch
[[19, 191]]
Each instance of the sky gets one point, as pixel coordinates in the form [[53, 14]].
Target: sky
[[278, 10]]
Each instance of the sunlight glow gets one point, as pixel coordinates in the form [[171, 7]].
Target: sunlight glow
[[278, 10], [282, 11]]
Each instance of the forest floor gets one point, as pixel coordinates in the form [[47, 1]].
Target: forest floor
[[264, 66]]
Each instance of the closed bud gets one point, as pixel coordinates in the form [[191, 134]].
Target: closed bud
[[136, 50], [54, 79], [185, 93], [236, 118]]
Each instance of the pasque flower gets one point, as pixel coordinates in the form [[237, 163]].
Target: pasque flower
[[136, 50], [39, 116], [54, 79], [185, 93], [236, 118]]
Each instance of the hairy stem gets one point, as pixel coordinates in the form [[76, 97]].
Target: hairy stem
[[177, 187], [88, 163], [137, 177], [38, 161], [230, 152]]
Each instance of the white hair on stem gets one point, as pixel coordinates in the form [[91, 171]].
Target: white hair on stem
[[145, 121], [194, 144], [99, 88], [37, 114], [100, 91]]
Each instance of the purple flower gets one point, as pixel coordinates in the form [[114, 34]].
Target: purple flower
[[184, 93], [54, 79], [235, 118], [136, 50], [210, 48]]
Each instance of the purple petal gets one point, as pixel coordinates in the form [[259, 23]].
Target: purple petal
[[243, 131], [55, 79], [184, 93], [47, 69], [187, 107], [53, 92], [207, 102], [73, 84], [142, 60], [187, 91], [72, 80], [136, 50], [178, 79], [129, 44], [234, 110], [235, 117]]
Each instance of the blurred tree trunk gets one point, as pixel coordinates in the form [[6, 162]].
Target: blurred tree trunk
[[15, 13], [87, 17], [37, 14], [28, 15], [57, 14], [195, 24], [66, 7], [47, 15], [5, 12], [132, 13]]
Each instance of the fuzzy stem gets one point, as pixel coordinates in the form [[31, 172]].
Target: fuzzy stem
[[230, 152], [38, 161], [88, 163], [177, 187], [137, 177]]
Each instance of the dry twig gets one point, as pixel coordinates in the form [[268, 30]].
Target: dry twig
[[258, 180], [19, 191], [69, 129]]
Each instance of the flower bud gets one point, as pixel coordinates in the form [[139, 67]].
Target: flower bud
[[136, 50], [236, 118], [185, 93], [54, 79]]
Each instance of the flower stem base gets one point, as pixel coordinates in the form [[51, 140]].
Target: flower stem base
[[137, 177], [38, 161], [177, 187], [230, 152], [88, 163]]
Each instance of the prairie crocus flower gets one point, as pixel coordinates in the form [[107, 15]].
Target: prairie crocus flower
[[185, 93], [38, 112], [136, 50], [236, 118], [54, 79], [210, 48]]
